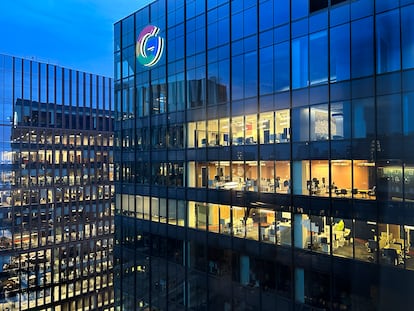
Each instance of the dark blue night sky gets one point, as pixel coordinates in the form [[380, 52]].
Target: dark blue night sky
[[70, 33]]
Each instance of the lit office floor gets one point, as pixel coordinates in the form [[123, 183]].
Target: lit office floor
[[354, 248], [361, 252]]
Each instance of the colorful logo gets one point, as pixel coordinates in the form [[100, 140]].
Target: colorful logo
[[149, 46]]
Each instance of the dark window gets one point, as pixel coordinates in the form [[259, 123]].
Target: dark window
[[389, 115], [316, 5], [363, 113], [333, 2]]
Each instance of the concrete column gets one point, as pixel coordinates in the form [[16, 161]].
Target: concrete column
[[299, 231]]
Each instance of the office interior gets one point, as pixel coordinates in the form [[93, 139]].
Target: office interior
[[337, 178], [361, 239]]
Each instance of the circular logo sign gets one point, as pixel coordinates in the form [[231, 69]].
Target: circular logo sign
[[149, 46]]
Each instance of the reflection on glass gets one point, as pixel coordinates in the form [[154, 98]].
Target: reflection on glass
[[318, 60], [388, 41], [266, 128], [300, 63], [319, 123], [340, 53]]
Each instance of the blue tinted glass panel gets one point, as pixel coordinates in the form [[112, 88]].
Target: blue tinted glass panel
[[389, 115], [127, 31], [300, 62], [300, 124], [318, 21], [318, 57], [408, 113], [223, 32], [26, 79], [200, 40], [236, 26], [237, 77], [179, 47], [383, 5], [299, 8], [362, 48], [43, 85], [250, 44], [117, 36], [35, 82], [282, 68], [340, 53], [224, 78], [265, 15], [363, 117], [224, 51], [250, 74], [300, 28], [361, 8], [282, 33], [266, 70], [191, 9], [281, 12], [250, 21], [266, 38], [179, 15], [237, 47], [191, 43], [212, 35], [212, 71], [236, 6], [339, 14], [212, 16], [200, 5], [18, 79], [81, 93], [407, 33], [388, 41], [223, 11]]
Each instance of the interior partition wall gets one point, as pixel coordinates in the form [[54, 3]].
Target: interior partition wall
[[264, 162]]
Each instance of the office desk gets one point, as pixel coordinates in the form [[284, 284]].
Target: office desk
[[323, 240], [267, 232], [392, 254], [339, 237], [227, 185], [397, 247], [283, 231], [342, 192]]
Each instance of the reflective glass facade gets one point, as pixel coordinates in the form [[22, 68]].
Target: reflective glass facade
[[266, 161], [56, 187]]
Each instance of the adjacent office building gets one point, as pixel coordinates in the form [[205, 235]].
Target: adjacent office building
[[56, 184], [264, 155]]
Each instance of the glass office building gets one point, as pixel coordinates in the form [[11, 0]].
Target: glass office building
[[56, 184], [264, 155]]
